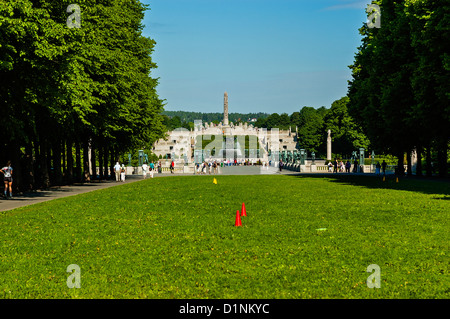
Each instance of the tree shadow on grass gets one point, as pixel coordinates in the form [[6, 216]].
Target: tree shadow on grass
[[437, 186]]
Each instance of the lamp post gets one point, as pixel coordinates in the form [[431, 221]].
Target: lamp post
[[302, 156], [141, 155], [361, 159], [295, 160], [373, 157]]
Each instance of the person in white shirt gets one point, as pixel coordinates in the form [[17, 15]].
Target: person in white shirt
[[7, 172], [117, 171], [122, 173], [144, 169]]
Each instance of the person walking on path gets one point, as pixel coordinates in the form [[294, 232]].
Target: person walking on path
[[152, 169], [172, 166], [8, 180], [144, 170], [122, 173], [117, 171]]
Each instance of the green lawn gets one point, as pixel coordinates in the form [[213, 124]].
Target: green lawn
[[175, 237]]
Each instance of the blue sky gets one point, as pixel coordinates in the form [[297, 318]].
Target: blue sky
[[269, 55]]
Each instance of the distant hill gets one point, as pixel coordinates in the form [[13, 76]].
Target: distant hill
[[210, 117]]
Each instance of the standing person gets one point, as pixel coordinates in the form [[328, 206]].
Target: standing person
[[347, 166], [377, 168], [383, 167], [117, 171], [355, 166], [152, 169], [122, 173], [8, 180], [330, 166], [172, 166], [144, 169], [335, 165], [281, 165], [159, 167]]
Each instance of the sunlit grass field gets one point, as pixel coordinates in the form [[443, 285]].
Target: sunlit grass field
[[175, 237]]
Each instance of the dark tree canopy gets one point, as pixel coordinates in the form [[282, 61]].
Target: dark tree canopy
[[64, 90]]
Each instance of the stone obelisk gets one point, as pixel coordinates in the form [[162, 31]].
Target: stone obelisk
[[329, 145], [225, 126]]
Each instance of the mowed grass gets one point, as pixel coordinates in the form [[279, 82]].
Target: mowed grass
[[175, 237]]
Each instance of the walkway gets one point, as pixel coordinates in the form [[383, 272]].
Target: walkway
[[39, 196]]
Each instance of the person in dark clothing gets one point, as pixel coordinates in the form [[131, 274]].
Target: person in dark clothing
[[383, 167], [347, 166]]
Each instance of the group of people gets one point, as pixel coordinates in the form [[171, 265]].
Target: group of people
[[120, 172], [342, 167], [207, 167], [381, 167], [150, 168], [336, 167]]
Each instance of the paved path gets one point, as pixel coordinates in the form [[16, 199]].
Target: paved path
[[39, 196]]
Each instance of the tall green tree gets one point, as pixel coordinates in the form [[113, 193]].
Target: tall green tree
[[63, 90], [309, 123], [346, 135]]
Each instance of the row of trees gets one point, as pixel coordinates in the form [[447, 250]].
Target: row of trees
[[313, 123], [400, 90], [66, 90]]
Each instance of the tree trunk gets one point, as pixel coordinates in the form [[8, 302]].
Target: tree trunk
[[408, 163], [105, 161], [45, 178], [69, 170], [100, 161], [442, 159], [428, 165], [28, 168], [400, 167], [64, 163], [57, 162], [86, 175], [93, 161], [112, 163], [78, 169], [37, 164], [48, 157], [419, 161]]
